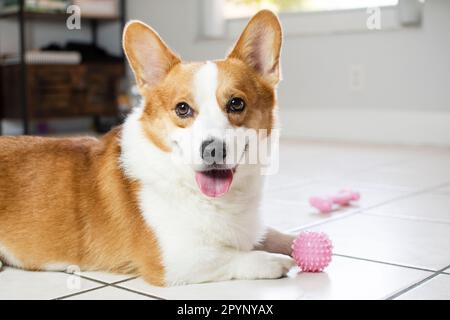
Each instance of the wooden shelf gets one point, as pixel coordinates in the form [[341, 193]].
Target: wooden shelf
[[54, 16], [63, 91], [102, 77]]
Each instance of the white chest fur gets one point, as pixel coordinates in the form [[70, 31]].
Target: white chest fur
[[192, 230]]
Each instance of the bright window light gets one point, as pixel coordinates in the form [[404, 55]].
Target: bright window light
[[245, 8]]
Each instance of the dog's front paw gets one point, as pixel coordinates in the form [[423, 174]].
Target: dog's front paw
[[274, 266], [263, 265]]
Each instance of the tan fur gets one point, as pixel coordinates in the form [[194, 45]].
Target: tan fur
[[259, 46], [67, 201], [159, 116], [236, 79], [150, 58], [246, 73]]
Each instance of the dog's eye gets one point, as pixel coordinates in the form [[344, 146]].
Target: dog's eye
[[183, 110], [235, 105]]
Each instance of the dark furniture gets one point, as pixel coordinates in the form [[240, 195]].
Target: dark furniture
[[43, 91], [57, 91]]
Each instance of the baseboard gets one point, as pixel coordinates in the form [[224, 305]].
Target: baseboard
[[409, 127], [349, 125]]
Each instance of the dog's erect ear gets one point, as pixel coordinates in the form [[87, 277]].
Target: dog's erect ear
[[149, 57], [259, 45]]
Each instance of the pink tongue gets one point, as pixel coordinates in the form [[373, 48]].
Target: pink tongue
[[214, 183]]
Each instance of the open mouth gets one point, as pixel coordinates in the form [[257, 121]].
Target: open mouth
[[214, 183]]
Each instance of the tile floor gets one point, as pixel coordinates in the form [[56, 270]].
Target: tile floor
[[393, 244]]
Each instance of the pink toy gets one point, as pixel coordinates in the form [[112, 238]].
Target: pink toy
[[312, 251], [343, 198]]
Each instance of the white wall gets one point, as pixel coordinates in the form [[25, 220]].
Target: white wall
[[407, 68], [406, 72]]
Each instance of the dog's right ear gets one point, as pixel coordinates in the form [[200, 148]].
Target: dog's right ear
[[149, 57], [259, 45]]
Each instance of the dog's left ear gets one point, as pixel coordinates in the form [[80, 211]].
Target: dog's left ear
[[259, 46]]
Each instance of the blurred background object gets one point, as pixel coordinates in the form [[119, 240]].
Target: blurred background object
[[69, 77]]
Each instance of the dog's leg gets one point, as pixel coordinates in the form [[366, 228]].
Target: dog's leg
[[276, 242], [259, 265], [1, 265], [221, 265]]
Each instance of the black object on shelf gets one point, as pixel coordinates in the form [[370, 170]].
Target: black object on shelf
[[89, 52], [22, 15]]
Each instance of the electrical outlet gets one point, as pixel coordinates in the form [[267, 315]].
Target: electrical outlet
[[357, 77]]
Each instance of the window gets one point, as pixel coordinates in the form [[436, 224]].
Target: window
[[245, 8], [226, 18]]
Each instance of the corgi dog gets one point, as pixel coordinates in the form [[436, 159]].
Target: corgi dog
[[129, 202]]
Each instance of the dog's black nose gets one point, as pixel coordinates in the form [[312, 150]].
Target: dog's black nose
[[213, 151]]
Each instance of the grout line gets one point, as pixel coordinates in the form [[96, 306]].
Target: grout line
[[405, 217], [441, 193], [446, 185], [354, 173], [384, 262], [347, 174], [88, 278], [328, 220], [138, 292], [124, 280], [404, 196], [80, 292], [100, 281], [415, 285], [105, 284]]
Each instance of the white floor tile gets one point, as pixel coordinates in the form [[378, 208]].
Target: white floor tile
[[325, 160], [430, 206], [437, 288], [426, 169], [289, 208], [434, 163], [370, 195], [444, 190], [401, 231], [109, 293], [403, 241], [287, 216], [344, 279], [395, 176], [18, 284], [282, 181]]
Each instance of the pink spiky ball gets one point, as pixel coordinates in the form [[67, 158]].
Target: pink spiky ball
[[312, 251]]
